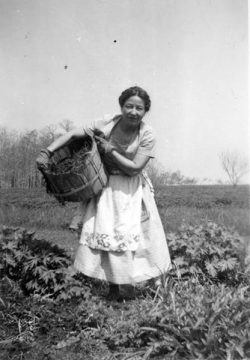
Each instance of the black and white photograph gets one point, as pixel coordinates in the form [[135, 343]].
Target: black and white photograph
[[124, 180]]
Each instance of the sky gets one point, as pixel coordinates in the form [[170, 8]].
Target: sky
[[71, 59]]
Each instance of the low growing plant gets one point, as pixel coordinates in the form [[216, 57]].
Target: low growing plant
[[193, 321], [210, 251], [39, 267]]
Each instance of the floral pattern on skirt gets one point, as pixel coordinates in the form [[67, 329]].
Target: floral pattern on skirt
[[122, 241]]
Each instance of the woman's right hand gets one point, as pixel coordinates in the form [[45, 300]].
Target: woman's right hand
[[103, 145], [42, 160]]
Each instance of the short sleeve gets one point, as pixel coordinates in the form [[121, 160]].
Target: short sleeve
[[147, 142], [103, 124]]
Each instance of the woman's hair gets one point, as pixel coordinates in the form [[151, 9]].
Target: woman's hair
[[135, 91]]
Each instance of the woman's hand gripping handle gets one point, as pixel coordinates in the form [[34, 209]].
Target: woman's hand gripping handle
[[43, 158], [103, 145]]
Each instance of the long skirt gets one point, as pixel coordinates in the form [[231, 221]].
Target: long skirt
[[122, 239]]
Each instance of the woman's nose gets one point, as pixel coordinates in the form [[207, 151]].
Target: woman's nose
[[133, 111]]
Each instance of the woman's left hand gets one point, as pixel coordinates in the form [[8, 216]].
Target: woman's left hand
[[42, 160], [103, 145]]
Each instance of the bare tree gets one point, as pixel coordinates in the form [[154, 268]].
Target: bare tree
[[234, 165], [159, 176], [49, 133], [66, 125], [155, 172]]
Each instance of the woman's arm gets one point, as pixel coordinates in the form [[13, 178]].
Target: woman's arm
[[129, 167], [66, 139], [42, 160]]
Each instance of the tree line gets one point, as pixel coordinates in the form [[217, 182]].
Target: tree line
[[19, 150], [18, 153]]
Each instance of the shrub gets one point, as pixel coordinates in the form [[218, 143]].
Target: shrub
[[211, 252], [39, 267]]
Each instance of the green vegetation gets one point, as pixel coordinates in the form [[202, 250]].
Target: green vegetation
[[190, 204], [200, 311], [194, 205]]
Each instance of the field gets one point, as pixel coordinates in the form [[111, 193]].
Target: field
[[225, 205], [140, 337]]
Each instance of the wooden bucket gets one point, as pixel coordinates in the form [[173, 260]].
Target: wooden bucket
[[83, 184]]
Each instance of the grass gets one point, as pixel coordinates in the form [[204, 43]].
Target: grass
[[177, 205], [237, 218], [224, 205]]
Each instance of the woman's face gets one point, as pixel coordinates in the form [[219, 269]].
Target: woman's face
[[133, 110]]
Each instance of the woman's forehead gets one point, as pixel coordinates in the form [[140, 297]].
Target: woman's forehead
[[135, 100]]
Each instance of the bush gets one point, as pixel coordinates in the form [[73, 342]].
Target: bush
[[39, 267], [211, 252]]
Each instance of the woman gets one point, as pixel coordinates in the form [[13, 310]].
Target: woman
[[122, 239]]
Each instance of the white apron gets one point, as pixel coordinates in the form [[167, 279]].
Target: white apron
[[122, 239]]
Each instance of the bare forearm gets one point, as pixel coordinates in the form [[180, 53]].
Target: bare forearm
[[66, 139], [129, 167]]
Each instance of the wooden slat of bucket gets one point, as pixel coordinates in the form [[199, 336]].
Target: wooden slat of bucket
[[86, 191], [62, 185], [75, 181], [67, 184], [70, 183], [53, 183]]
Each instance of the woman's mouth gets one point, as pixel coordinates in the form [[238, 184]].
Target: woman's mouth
[[133, 117]]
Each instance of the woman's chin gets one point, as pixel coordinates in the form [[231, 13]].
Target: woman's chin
[[134, 122]]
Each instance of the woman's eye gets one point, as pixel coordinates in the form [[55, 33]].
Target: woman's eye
[[138, 108]]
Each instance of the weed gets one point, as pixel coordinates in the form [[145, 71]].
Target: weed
[[39, 267], [211, 252]]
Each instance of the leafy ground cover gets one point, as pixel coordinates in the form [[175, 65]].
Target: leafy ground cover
[[200, 311]]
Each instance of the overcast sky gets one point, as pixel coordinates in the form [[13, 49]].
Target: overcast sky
[[70, 59]]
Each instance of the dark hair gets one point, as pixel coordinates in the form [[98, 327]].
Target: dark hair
[[135, 91]]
